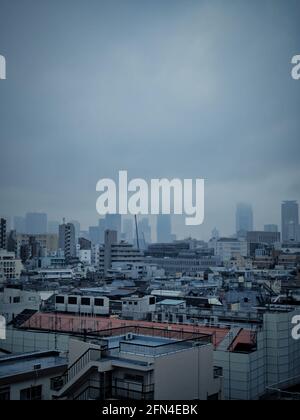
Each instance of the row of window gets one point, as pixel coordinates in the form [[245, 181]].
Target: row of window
[[33, 393], [73, 300]]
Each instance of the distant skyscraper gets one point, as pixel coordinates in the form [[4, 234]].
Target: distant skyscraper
[[19, 224], [244, 219], [101, 225], [128, 230], [36, 223], [271, 228], [114, 222], [67, 240], [2, 233], [164, 229], [53, 227], [77, 229], [290, 221], [144, 229], [111, 238], [94, 235]]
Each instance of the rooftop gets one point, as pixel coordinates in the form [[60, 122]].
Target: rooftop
[[13, 365]]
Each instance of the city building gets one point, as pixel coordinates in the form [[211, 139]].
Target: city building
[[263, 237], [84, 243], [116, 252], [289, 221], [82, 304], [67, 240], [19, 224], [136, 363], [3, 233], [36, 223], [244, 219], [228, 248], [95, 235], [138, 308], [14, 301], [76, 225], [47, 243], [10, 267], [53, 227], [113, 222], [164, 229], [128, 230], [190, 263], [30, 376], [144, 231], [85, 256], [271, 228]]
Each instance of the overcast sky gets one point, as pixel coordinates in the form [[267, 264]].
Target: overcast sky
[[189, 89]]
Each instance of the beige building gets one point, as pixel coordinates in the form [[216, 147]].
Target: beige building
[[47, 241]]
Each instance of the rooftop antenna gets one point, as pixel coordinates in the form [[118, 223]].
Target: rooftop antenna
[[137, 233]]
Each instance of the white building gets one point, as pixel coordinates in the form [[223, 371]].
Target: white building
[[85, 256], [138, 308], [15, 301], [142, 364], [228, 248], [82, 304], [30, 376], [10, 267]]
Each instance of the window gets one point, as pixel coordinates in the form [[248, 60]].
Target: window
[[133, 378], [99, 302], [16, 299], [135, 303], [213, 397], [85, 301], [72, 300], [5, 394], [152, 301], [60, 299], [31, 394]]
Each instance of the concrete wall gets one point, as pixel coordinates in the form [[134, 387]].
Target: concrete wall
[[18, 341], [186, 375]]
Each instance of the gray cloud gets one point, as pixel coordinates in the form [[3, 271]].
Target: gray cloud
[[161, 88]]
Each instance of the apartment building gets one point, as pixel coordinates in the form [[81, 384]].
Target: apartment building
[[30, 376], [137, 363], [10, 267]]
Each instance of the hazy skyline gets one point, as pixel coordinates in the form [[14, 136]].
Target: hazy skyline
[[188, 89]]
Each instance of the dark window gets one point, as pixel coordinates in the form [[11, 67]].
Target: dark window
[[72, 300], [99, 302], [16, 299], [30, 394], [135, 303], [85, 301], [5, 394], [152, 301], [60, 299], [213, 397], [133, 378]]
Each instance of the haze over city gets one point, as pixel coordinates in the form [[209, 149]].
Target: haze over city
[[193, 89]]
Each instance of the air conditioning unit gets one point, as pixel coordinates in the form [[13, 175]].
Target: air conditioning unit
[[129, 336]]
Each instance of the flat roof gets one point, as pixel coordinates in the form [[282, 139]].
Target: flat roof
[[171, 302], [25, 363]]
